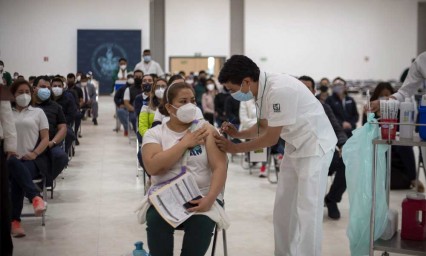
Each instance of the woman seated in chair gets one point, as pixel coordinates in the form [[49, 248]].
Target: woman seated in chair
[[32, 130], [163, 150]]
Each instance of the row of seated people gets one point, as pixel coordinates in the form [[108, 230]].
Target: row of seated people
[[45, 114]]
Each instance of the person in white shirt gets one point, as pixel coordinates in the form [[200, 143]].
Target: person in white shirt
[[30, 160], [287, 109], [149, 66], [163, 149]]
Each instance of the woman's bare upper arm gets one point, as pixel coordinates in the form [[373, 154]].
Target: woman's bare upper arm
[[150, 150], [216, 157]]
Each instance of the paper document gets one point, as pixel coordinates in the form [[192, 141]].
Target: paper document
[[169, 199]]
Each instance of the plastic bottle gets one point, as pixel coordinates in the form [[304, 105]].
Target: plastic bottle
[[406, 116], [414, 218], [139, 251]]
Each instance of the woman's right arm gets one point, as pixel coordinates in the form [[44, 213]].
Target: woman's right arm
[[158, 162]]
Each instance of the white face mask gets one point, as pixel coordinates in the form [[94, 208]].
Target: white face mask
[[23, 100], [159, 93], [84, 84], [57, 91], [78, 78], [189, 81], [130, 81], [186, 113], [123, 67], [210, 87]]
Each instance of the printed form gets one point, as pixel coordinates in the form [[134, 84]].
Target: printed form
[[170, 199]]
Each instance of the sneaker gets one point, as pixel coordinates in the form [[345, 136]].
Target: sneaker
[[333, 210], [77, 142], [95, 122], [17, 230], [262, 173], [126, 133], [39, 206]]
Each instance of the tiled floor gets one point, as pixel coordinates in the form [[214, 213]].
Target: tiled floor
[[92, 212]]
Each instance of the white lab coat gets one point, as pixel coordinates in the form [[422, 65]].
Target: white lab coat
[[310, 142], [415, 79]]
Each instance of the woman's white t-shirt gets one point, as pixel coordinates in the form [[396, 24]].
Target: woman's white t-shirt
[[29, 122], [198, 164]]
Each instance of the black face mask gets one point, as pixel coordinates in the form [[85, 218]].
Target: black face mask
[[138, 81], [146, 87], [323, 88], [70, 84]]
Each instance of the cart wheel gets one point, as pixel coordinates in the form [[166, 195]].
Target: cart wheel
[[385, 254]]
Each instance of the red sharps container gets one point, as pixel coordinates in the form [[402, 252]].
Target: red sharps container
[[414, 217]]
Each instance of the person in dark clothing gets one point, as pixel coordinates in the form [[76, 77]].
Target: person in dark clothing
[[67, 102], [200, 88], [8, 147], [142, 100], [232, 114], [119, 103], [405, 73], [343, 106], [78, 95], [57, 126], [129, 98], [337, 166], [219, 106]]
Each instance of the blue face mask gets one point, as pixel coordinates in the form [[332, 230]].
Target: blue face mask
[[241, 96], [147, 58], [43, 94]]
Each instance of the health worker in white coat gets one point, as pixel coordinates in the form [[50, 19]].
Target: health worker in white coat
[[287, 109]]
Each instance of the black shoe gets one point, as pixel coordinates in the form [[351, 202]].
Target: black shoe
[[79, 135], [333, 210], [95, 122], [77, 142]]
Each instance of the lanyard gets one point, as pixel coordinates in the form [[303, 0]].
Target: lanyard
[[261, 105]]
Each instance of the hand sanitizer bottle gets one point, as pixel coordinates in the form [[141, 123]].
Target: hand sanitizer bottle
[[139, 251], [407, 119]]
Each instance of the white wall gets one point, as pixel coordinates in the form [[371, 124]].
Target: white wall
[[30, 30], [197, 26], [332, 37]]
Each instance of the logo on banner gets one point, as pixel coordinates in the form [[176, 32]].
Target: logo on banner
[[104, 61]]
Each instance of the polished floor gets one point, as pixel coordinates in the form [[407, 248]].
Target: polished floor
[[92, 212]]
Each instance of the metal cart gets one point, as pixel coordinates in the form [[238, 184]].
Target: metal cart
[[395, 244]]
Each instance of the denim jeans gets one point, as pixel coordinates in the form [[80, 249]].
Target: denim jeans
[[122, 115], [21, 175]]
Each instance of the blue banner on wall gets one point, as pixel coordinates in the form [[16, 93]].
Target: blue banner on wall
[[99, 51]]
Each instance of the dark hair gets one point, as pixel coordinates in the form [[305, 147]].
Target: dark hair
[[71, 75], [58, 79], [380, 88], [83, 76], [154, 76], [308, 79], [341, 79], [201, 72], [237, 68], [31, 78], [154, 101], [15, 85], [173, 78], [1, 62], [122, 59], [170, 94], [324, 78], [146, 51], [45, 78], [138, 71]]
